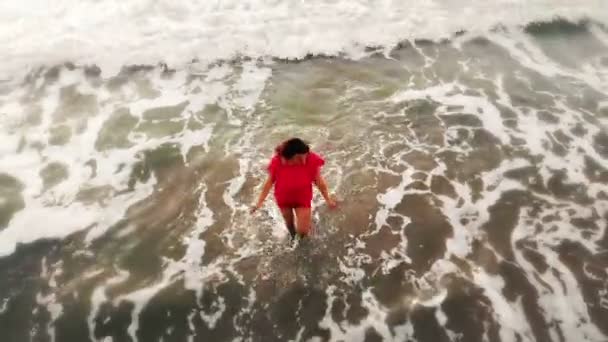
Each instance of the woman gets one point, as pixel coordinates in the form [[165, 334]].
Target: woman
[[293, 170]]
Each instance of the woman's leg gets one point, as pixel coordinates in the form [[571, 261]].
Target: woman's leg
[[289, 220], [304, 218]]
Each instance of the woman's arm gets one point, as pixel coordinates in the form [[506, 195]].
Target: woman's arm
[[322, 186], [265, 190]]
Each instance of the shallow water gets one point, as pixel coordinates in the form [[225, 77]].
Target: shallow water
[[472, 176]]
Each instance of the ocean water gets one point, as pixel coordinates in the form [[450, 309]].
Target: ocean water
[[466, 141]]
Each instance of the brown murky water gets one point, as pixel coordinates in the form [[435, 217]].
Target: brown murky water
[[472, 177]]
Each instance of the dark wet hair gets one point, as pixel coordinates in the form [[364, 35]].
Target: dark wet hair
[[291, 147]]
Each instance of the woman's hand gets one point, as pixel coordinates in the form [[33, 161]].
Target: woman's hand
[[331, 202], [265, 190], [255, 208]]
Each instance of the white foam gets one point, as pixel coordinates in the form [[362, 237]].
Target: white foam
[[190, 266], [196, 249], [191, 325], [603, 298], [4, 305], [99, 296], [344, 331], [173, 32], [443, 94], [195, 275], [563, 302], [442, 320], [521, 47], [433, 301], [212, 318], [41, 217], [49, 300], [140, 298], [114, 33], [391, 198], [54, 308], [351, 275], [511, 316]]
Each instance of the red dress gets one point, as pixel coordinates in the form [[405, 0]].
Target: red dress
[[293, 183]]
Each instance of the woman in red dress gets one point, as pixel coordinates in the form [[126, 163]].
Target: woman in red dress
[[293, 170]]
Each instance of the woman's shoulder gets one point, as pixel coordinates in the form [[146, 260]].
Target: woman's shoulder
[[275, 163], [315, 159], [275, 158]]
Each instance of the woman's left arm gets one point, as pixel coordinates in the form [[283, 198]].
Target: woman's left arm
[[322, 186]]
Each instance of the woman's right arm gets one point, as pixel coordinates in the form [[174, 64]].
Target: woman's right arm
[[265, 190]]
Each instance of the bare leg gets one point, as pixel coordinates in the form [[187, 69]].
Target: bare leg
[[289, 221], [304, 218]]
